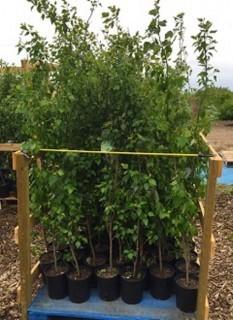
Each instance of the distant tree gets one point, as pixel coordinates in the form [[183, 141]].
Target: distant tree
[[220, 98]]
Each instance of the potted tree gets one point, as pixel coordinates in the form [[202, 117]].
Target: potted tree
[[55, 222], [186, 284], [79, 276], [108, 277], [161, 274], [132, 278], [40, 193]]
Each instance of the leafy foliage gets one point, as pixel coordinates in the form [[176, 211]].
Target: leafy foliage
[[122, 93]]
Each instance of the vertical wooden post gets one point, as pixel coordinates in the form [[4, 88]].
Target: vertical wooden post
[[22, 166], [215, 165], [25, 64]]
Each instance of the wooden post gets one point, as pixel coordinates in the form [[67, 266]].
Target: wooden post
[[25, 65], [24, 233], [215, 165]]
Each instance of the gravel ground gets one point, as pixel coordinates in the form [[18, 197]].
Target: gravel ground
[[221, 273], [9, 275], [221, 135]]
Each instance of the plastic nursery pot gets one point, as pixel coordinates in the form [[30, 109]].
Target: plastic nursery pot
[[161, 282], [186, 295], [79, 285], [4, 190], [180, 267], [100, 262], [108, 283], [57, 282], [47, 261], [132, 288]]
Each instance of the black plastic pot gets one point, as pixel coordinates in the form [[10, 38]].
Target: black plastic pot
[[108, 284], [132, 289], [100, 263], [79, 287], [46, 262], [180, 267], [161, 284], [4, 190], [186, 297], [57, 282]]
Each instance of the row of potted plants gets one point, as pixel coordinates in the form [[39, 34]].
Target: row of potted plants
[[130, 215], [72, 272]]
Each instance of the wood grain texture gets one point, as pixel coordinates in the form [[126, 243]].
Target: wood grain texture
[[10, 147], [24, 232], [206, 246]]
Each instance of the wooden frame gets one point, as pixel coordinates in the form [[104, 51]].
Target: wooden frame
[[28, 274], [9, 147], [25, 67]]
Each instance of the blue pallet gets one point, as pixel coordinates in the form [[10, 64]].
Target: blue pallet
[[43, 307], [227, 176]]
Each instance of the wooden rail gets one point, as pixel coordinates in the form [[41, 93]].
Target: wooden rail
[[25, 66], [27, 275], [208, 241], [10, 147]]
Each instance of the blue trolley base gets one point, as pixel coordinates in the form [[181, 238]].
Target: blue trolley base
[[42, 308]]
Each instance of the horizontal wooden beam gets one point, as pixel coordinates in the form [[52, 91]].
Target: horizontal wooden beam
[[11, 198], [10, 147], [211, 148]]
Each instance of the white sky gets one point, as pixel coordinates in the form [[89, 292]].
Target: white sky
[[133, 16]]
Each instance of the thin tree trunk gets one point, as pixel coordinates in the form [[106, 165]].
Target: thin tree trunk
[[93, 255], [110, 245], [160, 257], [54, 256], [141, 251], [187, 265], [45, 238], [119, 250], [75, 260], [137, 251]]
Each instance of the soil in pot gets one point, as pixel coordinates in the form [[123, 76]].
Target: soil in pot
[[180, 266], [47, 261], [57, 282], [161, 281], [186, 295], [79, 285], [100, 262], [132, 287], [108, 283]]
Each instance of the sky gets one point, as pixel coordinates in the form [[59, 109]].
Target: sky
[[134, 16]]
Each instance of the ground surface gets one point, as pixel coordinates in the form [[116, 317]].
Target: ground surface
[[221, 272], [221, 136], [9, 276]]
